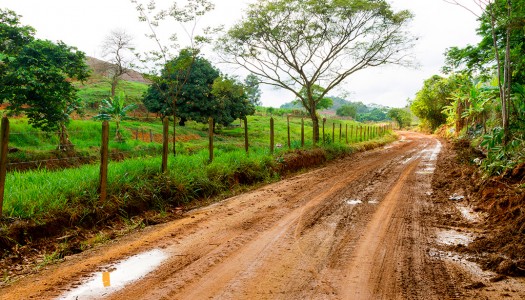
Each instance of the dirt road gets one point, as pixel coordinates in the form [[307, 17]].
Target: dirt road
[[360, 228]]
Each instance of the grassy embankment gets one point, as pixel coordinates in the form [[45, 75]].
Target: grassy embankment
[[136, 184]]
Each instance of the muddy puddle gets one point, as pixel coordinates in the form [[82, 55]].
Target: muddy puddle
[[114, 277], [353, 201], [467, 213], [453, 238], [463, 261]]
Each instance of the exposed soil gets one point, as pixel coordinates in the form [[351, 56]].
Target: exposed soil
[[375, 225]]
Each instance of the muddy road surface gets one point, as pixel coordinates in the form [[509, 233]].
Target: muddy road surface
[[362, 227]]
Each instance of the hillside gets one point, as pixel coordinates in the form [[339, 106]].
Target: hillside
[[370, 112], [98, 86]]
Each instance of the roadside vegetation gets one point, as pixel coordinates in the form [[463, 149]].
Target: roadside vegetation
[[479, 104], [482, 97]]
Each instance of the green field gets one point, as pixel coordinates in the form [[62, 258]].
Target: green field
[[98, 88], [137, 181]]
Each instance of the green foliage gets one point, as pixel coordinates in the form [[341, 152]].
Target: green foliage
[[433, 98], [480, 58], [186, 81], [203, 94], [401, 116], [376, 114], [231, 101], [301, 45], [13, 35], [501, 157], [317, 95], [114, 109], [252, 89], [347, 111], [34, 79]]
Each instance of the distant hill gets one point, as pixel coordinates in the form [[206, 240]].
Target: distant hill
[[370, 112], [101, 67], [98, 87]]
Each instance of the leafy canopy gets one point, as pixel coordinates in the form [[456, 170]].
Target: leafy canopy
[[35, 77], [253, 91], [402, 117], [347, 111], [296, 44], [204, 93]]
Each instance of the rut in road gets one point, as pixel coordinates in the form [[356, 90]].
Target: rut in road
[[352, 230], [312, 246]]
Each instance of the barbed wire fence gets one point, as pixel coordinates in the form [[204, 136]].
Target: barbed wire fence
[[159, 146]]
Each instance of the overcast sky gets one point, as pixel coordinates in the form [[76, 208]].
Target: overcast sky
[[84, 24]]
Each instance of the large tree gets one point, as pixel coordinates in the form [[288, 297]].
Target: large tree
[[231, 100], [195, 92], [347, 110], [431, 101], [35, 77], [251, 82], [401, 115], [187, 17], [117, 48], [296, 44], [501, 48], [205, 93]]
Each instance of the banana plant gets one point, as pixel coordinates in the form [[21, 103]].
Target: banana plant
[[114, 109]]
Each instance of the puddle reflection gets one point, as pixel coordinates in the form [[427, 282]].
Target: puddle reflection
[[124, 272]]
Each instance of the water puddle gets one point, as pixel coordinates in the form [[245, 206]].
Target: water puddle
[[468, 213], [453, 238], [462, 261], [117, 276], [407, 160], [429, 160], [353, 202], [435, 152]]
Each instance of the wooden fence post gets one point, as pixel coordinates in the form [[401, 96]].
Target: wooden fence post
[[360, 133], [103, 183], [246, 145], [340, 131], [150, 136], [271, 136], [288, 123], [165, 144], [4, 141], [210, 137], [302, 132], [137, 135]]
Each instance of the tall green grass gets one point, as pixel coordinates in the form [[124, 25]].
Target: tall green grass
[[42, 193]]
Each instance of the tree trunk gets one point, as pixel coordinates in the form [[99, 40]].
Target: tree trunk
[[118, 135], [507, 82], [502, 87], [174, 107], [315, 126], [114, 82], [63, 139]]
